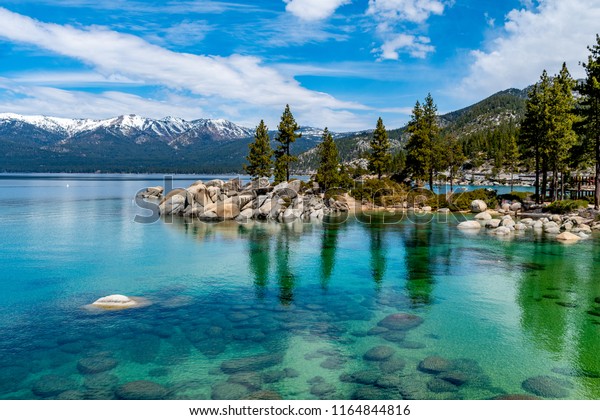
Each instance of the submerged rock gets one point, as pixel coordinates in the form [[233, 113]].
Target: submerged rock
[[400, 321], [142, 390], [438, 385], [435, 365], [91, 365], [264, 395], [229, 391], [515, 397], [392, 365], [101, 381], [322, 389], [251, 380], [252, 363], [547, 386], [52, 385], [394, 336], [365, 377], [379, 353], [371, 393]]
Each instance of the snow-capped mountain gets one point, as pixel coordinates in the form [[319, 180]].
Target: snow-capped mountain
[[128, 143], [169, 127]]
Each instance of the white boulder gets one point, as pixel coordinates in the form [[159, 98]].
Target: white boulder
[[502, 231], [469, 225], [117, 302], [568, 237], [477, 206], [492, 224], [484, 215]]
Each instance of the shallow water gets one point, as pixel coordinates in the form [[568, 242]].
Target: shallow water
[[300, 303]]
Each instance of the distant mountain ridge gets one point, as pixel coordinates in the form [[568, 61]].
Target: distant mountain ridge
[[501, 107], [131, 143]]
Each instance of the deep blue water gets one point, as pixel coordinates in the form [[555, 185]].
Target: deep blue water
[[301, 302]]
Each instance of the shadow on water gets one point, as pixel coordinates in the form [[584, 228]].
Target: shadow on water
[[286, 279], [329, 244], [259, 250], [377, 250], [560, 309], [420, 278]]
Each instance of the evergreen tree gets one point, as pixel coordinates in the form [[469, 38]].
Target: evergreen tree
[[534, 128], [259, 156], [512, 158], [286, 136], [417, 148], [424, 131], [561, 136], [328, 172], [433, 130], [379, 158], [547, 131], [590, 110], [454, 157]]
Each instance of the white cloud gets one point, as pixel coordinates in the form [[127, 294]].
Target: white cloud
[[312, 10], [75, 104], [187, 32], [532, 40], [415, 46], [417, 11], [240, 81], [392, 14]]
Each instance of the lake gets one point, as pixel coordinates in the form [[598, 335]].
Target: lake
[[360, 309]]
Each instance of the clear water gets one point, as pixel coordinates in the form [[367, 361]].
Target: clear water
[[298, 301]]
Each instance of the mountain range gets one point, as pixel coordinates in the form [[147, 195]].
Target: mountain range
[[131, 143]]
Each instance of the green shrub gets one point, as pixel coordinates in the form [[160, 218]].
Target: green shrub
[[462, 200], [520, 196], [566, 206], [375, 190]]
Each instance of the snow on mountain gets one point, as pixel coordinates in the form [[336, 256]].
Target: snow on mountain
[[127, 125]]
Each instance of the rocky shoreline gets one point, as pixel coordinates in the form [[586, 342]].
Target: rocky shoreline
[[566, 228], [218, 200]]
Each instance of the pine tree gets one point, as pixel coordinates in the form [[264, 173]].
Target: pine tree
[[424, 131], [454, 157], [417, 148], [512, 158], [379, 158], [286, 136], [590, 110], [534, 128], [561, 136], [433, 130], [328, 172], [259, 156]]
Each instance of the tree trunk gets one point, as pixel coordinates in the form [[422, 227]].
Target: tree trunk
[[537, 176], [431, 180], [512, 183], [451, 182], [554, 184], [544, 182]]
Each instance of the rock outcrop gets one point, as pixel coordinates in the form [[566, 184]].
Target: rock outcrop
[[259, 199]]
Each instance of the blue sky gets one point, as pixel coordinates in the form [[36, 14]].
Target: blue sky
[[338, 63]]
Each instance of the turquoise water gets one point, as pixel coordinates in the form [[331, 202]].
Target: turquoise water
[[264, 310]]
